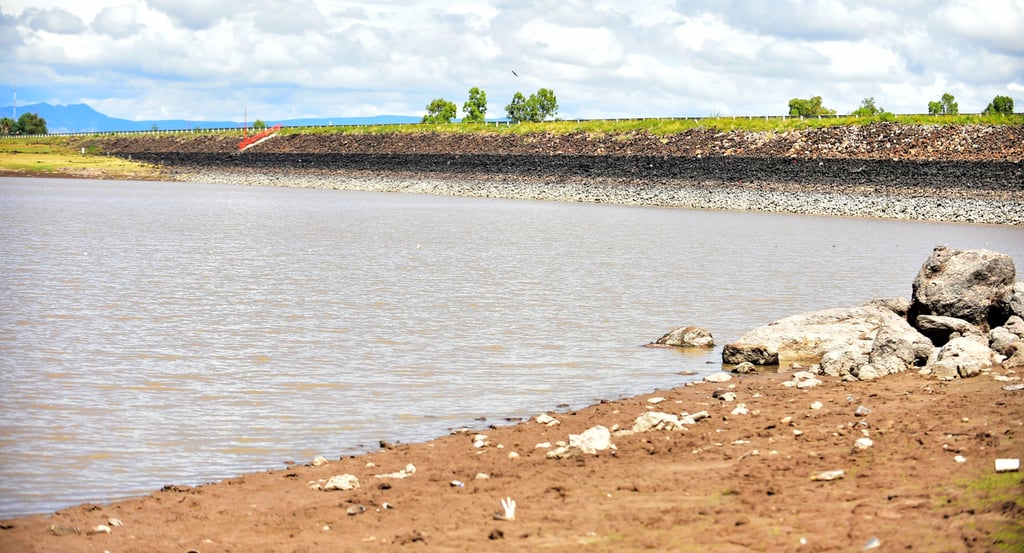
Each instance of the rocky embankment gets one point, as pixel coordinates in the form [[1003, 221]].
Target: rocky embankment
[[950, 173]]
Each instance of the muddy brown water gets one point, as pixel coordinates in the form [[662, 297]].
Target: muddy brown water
[[181, 333]]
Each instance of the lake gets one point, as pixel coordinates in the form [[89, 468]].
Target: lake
[[180, 333]]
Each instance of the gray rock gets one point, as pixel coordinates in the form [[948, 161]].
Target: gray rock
[[1017, 300], [594, 439], [1015, 361], [756, 354], [897, 305], [941, 329], [845, 361], [809, 336], [898, 347], [974, 285], [1004, 342], [688, 337], [341, 482], [718, 377], [962, 357], [745, 367], [1015, 324]]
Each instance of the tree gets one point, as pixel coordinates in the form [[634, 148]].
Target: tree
[[867, 108], [259, 125], [947, 106], [7, 125], [475, 107], [517, 109], [440, 111], [545, 103], [538, 107], [30, 123], [809, 107], [1001, 105]]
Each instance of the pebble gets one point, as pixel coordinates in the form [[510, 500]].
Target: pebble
[[99, 529], [1007, 465], [816, 405], [863, 443], [740, 409], [829, 475], [341, 482], [546, 419], [718, 377]]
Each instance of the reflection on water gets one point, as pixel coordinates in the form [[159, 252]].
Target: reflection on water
[[157, 333]]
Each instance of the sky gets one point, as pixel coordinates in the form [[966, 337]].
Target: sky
[[281, 59]]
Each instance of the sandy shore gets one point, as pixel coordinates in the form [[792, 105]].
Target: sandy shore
[[738, 480]]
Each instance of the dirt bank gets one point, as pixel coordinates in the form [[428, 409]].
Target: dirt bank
[[731, 482], [884, 158]]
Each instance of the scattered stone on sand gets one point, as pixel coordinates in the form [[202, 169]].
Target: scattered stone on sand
[[862, 444], [342, 482], [718, 377], [406, 472], [590, 442], [546, 419], [829, 475]]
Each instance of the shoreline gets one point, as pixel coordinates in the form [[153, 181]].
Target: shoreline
[[914, 204], [740, 479]]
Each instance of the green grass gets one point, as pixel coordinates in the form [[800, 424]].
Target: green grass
[[658, 127], [60, 156], [995, 492]]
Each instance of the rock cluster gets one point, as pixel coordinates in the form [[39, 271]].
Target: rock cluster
[[963, 318]]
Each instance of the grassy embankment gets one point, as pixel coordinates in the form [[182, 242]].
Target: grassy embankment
[[63, 155]]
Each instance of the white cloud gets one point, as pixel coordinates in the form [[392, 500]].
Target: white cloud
[[54, 20], [116, 21], [201, 60]]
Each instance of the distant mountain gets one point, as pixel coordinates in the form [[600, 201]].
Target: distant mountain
[[82, 118]]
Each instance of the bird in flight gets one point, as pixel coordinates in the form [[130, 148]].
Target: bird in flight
[[514, 73]]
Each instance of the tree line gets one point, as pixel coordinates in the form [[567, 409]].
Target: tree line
[[946, 105], [535, 108], [28, 123]]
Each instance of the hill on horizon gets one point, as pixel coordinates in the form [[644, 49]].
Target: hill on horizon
[[83, 118]]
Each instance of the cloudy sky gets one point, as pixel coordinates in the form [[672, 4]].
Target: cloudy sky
[[280, 59]]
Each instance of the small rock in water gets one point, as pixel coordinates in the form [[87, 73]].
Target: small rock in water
[[745, 367]]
